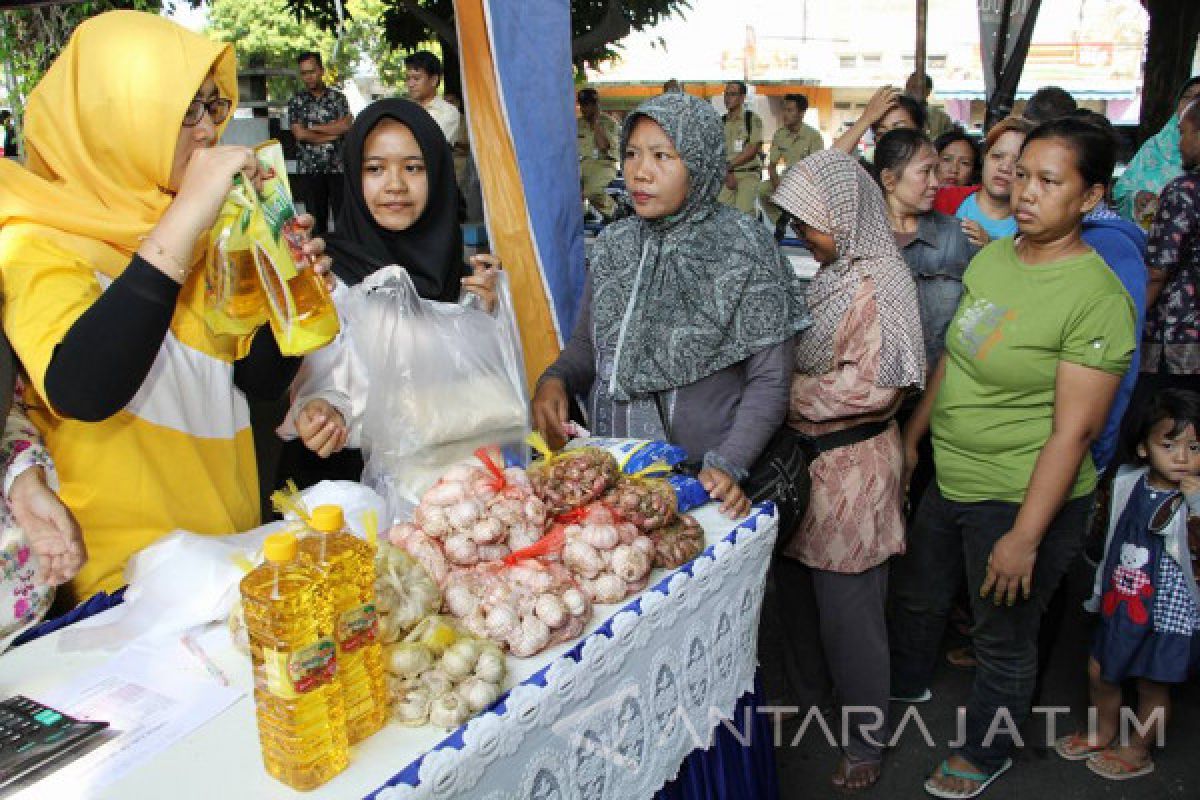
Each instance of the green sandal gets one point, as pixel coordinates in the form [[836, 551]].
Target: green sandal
[[983, 780]]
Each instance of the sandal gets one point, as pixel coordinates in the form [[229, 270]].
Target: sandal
[[1076, 747], [962, 657], [980, 778], [1126, 769], [848, 769]]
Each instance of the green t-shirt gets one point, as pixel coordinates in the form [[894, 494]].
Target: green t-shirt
[[995, 409]]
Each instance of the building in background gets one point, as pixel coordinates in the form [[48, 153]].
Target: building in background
[[839, 52]]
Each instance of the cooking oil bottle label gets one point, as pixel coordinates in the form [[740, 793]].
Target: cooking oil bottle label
[[290, 675], [357, 627]]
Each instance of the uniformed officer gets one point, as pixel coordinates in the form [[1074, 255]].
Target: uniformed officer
[[792, 142], [743, 146], [598, 140], [937, 121]]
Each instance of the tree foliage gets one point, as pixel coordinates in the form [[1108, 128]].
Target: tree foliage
[[597, 25], [31, 38], [270, 33]]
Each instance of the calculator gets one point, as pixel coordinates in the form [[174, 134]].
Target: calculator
[[33, 736]]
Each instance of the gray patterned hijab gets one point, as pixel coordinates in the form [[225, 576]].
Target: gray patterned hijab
[[684, 296], [832, 193]]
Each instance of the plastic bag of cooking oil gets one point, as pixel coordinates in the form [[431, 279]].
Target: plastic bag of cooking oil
[[234, 300]]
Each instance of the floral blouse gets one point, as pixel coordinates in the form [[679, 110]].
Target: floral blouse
[[21, 446], [1171, 341]]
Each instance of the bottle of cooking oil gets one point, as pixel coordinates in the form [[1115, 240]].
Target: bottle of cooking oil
[[348, 565], [300, 309], [289, 621]]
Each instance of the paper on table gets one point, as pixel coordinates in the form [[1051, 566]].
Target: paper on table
[[152, 694]]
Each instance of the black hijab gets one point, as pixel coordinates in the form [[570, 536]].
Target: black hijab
[[431, 250]]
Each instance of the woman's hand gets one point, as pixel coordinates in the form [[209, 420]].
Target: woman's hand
[[551, 409], [206, 182], [720, 485], [482, 281], [314, 251], [321, 427], [976, 235], [881, 103], [51, 529], [1010, 568], [208, 179]]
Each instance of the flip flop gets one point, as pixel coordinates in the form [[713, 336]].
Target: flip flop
[[1076, 748], [1132, 770], [924, 696], [983, 780]]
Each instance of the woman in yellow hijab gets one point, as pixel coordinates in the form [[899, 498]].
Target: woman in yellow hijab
[[102, 237]]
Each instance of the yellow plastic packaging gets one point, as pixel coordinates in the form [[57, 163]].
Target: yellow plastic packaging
[[299, 308], [234, 299]]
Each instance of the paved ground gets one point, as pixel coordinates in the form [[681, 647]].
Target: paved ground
[[804, 767]]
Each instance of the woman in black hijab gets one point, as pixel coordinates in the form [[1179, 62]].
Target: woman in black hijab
[[400, 207]]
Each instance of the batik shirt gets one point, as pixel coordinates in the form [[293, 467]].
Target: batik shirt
[[308, 109], [1171, 340]]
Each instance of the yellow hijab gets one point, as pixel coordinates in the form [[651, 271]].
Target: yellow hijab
[[100, 133]]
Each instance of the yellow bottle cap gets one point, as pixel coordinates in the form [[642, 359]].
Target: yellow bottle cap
[[327, 519], [280, 547]]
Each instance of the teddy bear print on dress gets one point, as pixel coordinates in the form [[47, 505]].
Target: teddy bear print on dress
[[1130, 585]]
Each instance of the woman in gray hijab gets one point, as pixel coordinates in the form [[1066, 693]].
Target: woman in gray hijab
[[689, 312]]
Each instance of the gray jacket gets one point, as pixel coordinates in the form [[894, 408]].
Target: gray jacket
[[938, 257]]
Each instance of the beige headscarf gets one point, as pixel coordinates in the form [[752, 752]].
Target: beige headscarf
[[832, 193]]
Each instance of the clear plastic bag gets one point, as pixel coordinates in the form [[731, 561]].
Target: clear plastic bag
[[445, 379]]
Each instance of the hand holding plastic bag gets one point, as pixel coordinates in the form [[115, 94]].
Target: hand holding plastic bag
[[445, 379]]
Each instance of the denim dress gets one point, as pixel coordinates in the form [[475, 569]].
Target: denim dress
[[937, 256]]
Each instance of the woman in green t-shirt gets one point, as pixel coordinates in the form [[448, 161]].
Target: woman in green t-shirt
[[1033, 358]]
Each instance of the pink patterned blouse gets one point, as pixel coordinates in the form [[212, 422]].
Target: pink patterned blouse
[[855, 519]]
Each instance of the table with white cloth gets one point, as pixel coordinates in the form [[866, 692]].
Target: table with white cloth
[[654, 682]]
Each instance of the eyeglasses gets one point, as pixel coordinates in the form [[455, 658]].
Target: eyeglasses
[[217, 108]]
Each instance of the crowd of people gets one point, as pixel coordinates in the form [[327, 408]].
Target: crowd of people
[[956, 376]]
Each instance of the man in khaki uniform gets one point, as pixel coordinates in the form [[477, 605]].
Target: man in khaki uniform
[[792, 142], [598, 140], [937, 121], [743, 146]]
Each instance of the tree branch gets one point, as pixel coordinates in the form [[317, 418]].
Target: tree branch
[[613, 26], [441, 27]]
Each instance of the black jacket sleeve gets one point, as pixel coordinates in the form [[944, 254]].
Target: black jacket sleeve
[[105, 357], [265, 373]]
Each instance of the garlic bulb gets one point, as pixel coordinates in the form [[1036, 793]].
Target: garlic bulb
[[413, 707], [601, 537], [531, 638], [490, 666], [575, 601], [607, 588], [581, 558], [551, 610], [461, 601], [448, 710], [478, 693], [409, 658], [501, 621], [462, 549], [630, 563], [437, 681], [459, 659]]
